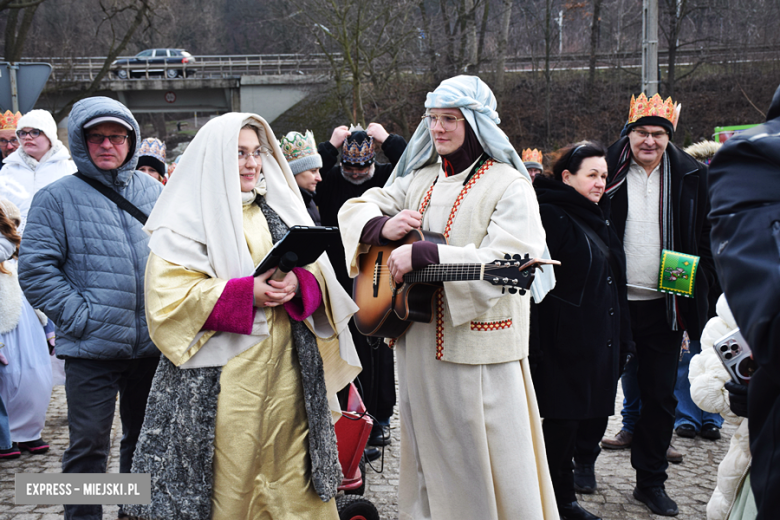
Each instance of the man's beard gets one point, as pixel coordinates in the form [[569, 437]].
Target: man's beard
[[359, 181]]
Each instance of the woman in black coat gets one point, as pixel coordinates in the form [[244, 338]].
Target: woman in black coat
[[581, 327]]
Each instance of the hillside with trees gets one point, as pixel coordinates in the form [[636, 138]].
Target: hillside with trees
[[562, 70]]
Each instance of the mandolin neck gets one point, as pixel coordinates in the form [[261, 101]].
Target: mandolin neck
[[446, 273]]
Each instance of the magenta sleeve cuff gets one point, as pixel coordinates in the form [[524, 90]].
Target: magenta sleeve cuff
[[310, 296], [234, 311]]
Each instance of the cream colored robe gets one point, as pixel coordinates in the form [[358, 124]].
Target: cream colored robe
[[471, 437], [262, 468]]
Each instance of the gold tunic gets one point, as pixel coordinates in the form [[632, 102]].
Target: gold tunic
[[262, 468]]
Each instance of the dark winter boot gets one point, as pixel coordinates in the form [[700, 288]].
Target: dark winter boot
[[584, 478]]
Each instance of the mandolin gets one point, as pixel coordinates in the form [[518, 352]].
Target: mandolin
[[387, 309]]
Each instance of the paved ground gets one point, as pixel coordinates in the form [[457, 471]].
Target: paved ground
[[690, 483]]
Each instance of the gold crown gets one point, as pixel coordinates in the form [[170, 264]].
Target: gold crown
[[532, 155], [9, 120], [655, 106]]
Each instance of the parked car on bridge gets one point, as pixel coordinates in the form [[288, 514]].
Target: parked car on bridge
[[157, 62]]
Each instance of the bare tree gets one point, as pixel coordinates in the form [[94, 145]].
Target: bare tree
[[676, 13], [503, 37], [361, 42], [16, 29], [121, 19], [595, 26]]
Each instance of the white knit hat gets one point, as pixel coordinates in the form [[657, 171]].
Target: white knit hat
[[43, 121]]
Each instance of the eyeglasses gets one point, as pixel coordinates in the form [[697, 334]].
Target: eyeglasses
[[100, 139], [257, 154], [21, 134], [448, 123], [655, 135], [6, 142]]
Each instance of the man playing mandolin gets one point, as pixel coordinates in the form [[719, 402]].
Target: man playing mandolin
[[471, 437]]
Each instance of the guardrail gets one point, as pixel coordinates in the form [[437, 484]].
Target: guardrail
[[86, 68]]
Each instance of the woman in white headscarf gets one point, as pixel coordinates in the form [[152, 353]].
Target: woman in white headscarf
[[238, 423], [471, 437]]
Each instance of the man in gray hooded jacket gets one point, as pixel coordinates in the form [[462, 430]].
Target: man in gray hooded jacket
[[82, 262]]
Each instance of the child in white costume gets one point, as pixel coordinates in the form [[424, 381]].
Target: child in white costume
[[25, 375]]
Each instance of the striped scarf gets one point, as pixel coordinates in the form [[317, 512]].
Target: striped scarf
[[665, 216]]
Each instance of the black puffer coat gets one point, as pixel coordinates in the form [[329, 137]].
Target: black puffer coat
[[583, 323], [745, 191]]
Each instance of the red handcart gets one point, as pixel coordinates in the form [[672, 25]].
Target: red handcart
[[352, 431]]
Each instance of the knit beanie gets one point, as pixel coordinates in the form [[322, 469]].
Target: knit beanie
[[358, 148], [152, 153], [43, 121], [300, 150], [10, 210]]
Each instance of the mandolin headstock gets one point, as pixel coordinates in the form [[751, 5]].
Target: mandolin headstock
[[516, 273]]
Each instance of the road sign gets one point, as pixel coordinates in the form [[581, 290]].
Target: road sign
[[170, 97], [30, 80]]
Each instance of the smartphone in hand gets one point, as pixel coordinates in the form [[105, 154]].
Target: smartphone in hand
[[734, 353]]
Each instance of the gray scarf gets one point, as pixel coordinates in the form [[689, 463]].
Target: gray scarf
[[182, 406]]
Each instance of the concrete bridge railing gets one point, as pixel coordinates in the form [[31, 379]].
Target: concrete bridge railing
[[205, 67]]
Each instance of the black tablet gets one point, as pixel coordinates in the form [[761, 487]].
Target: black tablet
[[307, 242]]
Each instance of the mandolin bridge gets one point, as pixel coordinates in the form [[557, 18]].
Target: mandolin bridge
[[377, 271]]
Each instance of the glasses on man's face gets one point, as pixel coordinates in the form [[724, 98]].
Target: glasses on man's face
[[100, 139], [257, 155], [21, 134], [657, 136], [6, 142], [448, 122]]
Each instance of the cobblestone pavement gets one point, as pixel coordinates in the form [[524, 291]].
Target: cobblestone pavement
[[690, 484]]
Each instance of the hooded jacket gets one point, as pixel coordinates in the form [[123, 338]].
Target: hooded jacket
[[745, 216], [82, 260]]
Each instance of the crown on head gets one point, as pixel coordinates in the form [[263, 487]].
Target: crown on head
[[153, 147], [296, 145], [358, 147], [532, 155], [655, 106], [9, 120]]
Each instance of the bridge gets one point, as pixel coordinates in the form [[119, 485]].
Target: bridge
[[267, 85]]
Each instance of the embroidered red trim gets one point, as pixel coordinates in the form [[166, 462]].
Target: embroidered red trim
[[455, 207], [484, 326]]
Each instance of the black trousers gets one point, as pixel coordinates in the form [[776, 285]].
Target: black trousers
[[764, 427], [91, 387], [377, 380], [657, 356], [561, 437]]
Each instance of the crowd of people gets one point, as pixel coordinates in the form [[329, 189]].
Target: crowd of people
[[229, 381]]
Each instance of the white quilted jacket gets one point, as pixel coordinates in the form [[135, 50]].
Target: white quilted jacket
[[707, 376]]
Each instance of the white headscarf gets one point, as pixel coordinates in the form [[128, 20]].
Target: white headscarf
[[198, 223], [478, 105]]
